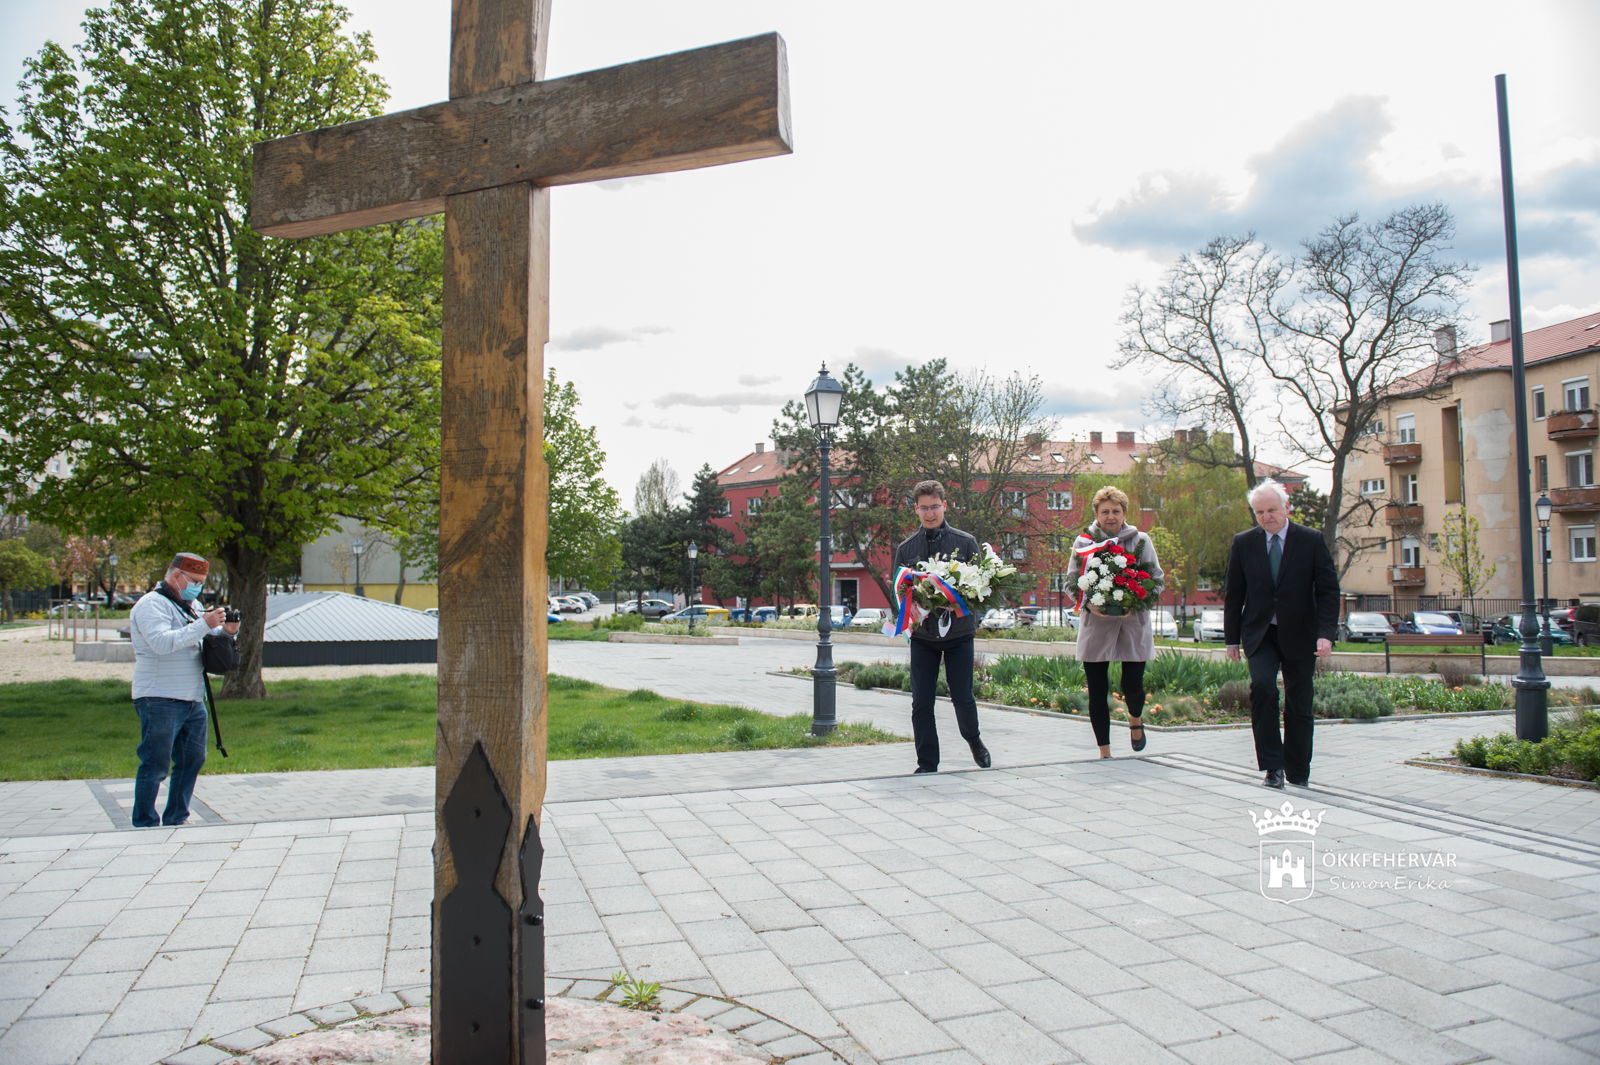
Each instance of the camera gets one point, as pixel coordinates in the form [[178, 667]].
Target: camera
[[230, 616]]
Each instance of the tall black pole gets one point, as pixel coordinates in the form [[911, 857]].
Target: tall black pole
[[1531, 685], [824, 677], [691, 595], [1547, 639]]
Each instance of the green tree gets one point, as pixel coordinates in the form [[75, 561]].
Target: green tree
[[1177, 566], [20, 570], [1461, 556], [585, 511], [239, 393], [783, 540]]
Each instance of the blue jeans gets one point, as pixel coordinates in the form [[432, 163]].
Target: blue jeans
[[172, 732]]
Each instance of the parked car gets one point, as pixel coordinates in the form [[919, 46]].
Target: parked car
[[839, 616], [869, 617], [588, 597], [1504, 628], [999, 619], [571, 604], [1469, 623], [1364, 627], [1395, 620], [553, 618], [1430, 623], [1164, 624], [1208, 627], [1027, 615], [701, 612], [1586, 624], [1562, 616], [657, 608], [764, 613], [801, 610], [432, 611]]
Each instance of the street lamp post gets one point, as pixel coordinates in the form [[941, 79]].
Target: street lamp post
[[694, 549], [356, 549], [823, 400], [1532, 687], [111, 594], [1542, 509]]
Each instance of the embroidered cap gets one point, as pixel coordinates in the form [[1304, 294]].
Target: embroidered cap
[[191, 564]]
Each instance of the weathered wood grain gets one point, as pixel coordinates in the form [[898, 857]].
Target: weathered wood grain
[[495, 43], [493, 487], [705, 107]]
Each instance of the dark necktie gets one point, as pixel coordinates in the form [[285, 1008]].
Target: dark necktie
[[1274, 553]]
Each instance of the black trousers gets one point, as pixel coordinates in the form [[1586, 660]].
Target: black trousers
[[1099, 676], [925, 658], [1292, 751]]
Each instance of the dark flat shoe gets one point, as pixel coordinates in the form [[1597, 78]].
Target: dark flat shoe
[[924, 769], [1274, 779], [980, 755], [1138, 744]]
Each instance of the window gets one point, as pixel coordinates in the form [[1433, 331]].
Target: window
[[1405, 427], [1410, 553], [724, 509], [1096, 459], [1374, 427], [1538, 403], [754, 504], [1408, 488], [1203, 584], [1374, 487], [757, 466], [1058, 501], [1433, 541], [1541, 469], [1057, 456], [1575, 393], [1011, 546], [1583, 543], [734, 470], [1580, 469]]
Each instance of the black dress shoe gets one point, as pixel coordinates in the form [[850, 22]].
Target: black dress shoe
[[1274, 778], [925, 769], [1304, 783], [980, 754], [1138, 744]]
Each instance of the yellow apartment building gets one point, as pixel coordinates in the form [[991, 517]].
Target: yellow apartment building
[[1447, 436]]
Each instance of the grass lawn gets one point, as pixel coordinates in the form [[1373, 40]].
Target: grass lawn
[[70, 729], [569, 631]]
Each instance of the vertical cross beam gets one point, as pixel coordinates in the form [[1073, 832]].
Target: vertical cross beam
[[492, 587]]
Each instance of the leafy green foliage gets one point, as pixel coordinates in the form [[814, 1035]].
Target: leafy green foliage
[[585, 511], [21, 568], [239, 393], [1572, 749]]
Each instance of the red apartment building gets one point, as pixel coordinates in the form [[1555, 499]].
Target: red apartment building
[[1058, 506]]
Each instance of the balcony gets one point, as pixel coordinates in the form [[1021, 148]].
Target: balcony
[[1567, 424], [1403, 514], [1407, 576], [1571, 500], [1396, 454]]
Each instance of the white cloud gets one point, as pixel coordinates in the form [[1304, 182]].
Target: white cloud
[[622, 183], [595, 337], [750, 380], [728, 401]]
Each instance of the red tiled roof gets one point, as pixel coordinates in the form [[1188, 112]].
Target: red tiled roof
[[754, 468], [1538, 345]]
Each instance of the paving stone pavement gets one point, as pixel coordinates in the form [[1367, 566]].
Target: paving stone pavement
[[1057, 908]]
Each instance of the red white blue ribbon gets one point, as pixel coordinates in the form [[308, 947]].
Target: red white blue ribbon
[[905, 582], [1083, 554]]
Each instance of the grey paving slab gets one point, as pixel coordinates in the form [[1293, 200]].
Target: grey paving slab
[[1055, 907]]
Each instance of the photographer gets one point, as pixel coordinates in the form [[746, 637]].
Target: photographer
[[169, 688]]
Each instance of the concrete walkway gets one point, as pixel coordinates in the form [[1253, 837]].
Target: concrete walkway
[[1056, 908]]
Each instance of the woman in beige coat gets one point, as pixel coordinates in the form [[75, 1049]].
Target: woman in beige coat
[[1125, 638]]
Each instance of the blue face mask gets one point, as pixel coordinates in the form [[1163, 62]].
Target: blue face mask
[[191, 592]]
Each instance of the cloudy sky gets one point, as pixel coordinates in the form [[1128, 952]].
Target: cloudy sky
[[981, 183]]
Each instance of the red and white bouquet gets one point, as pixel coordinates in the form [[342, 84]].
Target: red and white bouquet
[[1113, 580]]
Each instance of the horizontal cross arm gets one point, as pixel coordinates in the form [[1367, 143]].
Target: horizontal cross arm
[[704, 107]]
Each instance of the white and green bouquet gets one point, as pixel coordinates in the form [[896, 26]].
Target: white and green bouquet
[[961, 588]]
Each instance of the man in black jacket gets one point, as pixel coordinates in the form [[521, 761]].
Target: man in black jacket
[[1281, 605], [941, 635]]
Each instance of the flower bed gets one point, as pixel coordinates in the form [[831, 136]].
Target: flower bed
[[1572, 750], [1184, 689]]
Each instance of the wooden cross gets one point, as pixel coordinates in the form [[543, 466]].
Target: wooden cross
[[486, 159]]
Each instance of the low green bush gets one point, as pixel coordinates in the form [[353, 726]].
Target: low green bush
[[1233, 697], [619, 622], [1571, 749]]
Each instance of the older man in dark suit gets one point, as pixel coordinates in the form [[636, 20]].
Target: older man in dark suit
[[1281, 605]]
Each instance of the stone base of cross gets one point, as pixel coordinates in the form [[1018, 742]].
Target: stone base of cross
[[486, 159]]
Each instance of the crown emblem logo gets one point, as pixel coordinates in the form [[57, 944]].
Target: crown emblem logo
[[1286, 820]]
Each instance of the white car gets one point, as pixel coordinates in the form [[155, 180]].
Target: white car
[[1165, 624], [999, 619], [869, 617], [1208, 627]]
